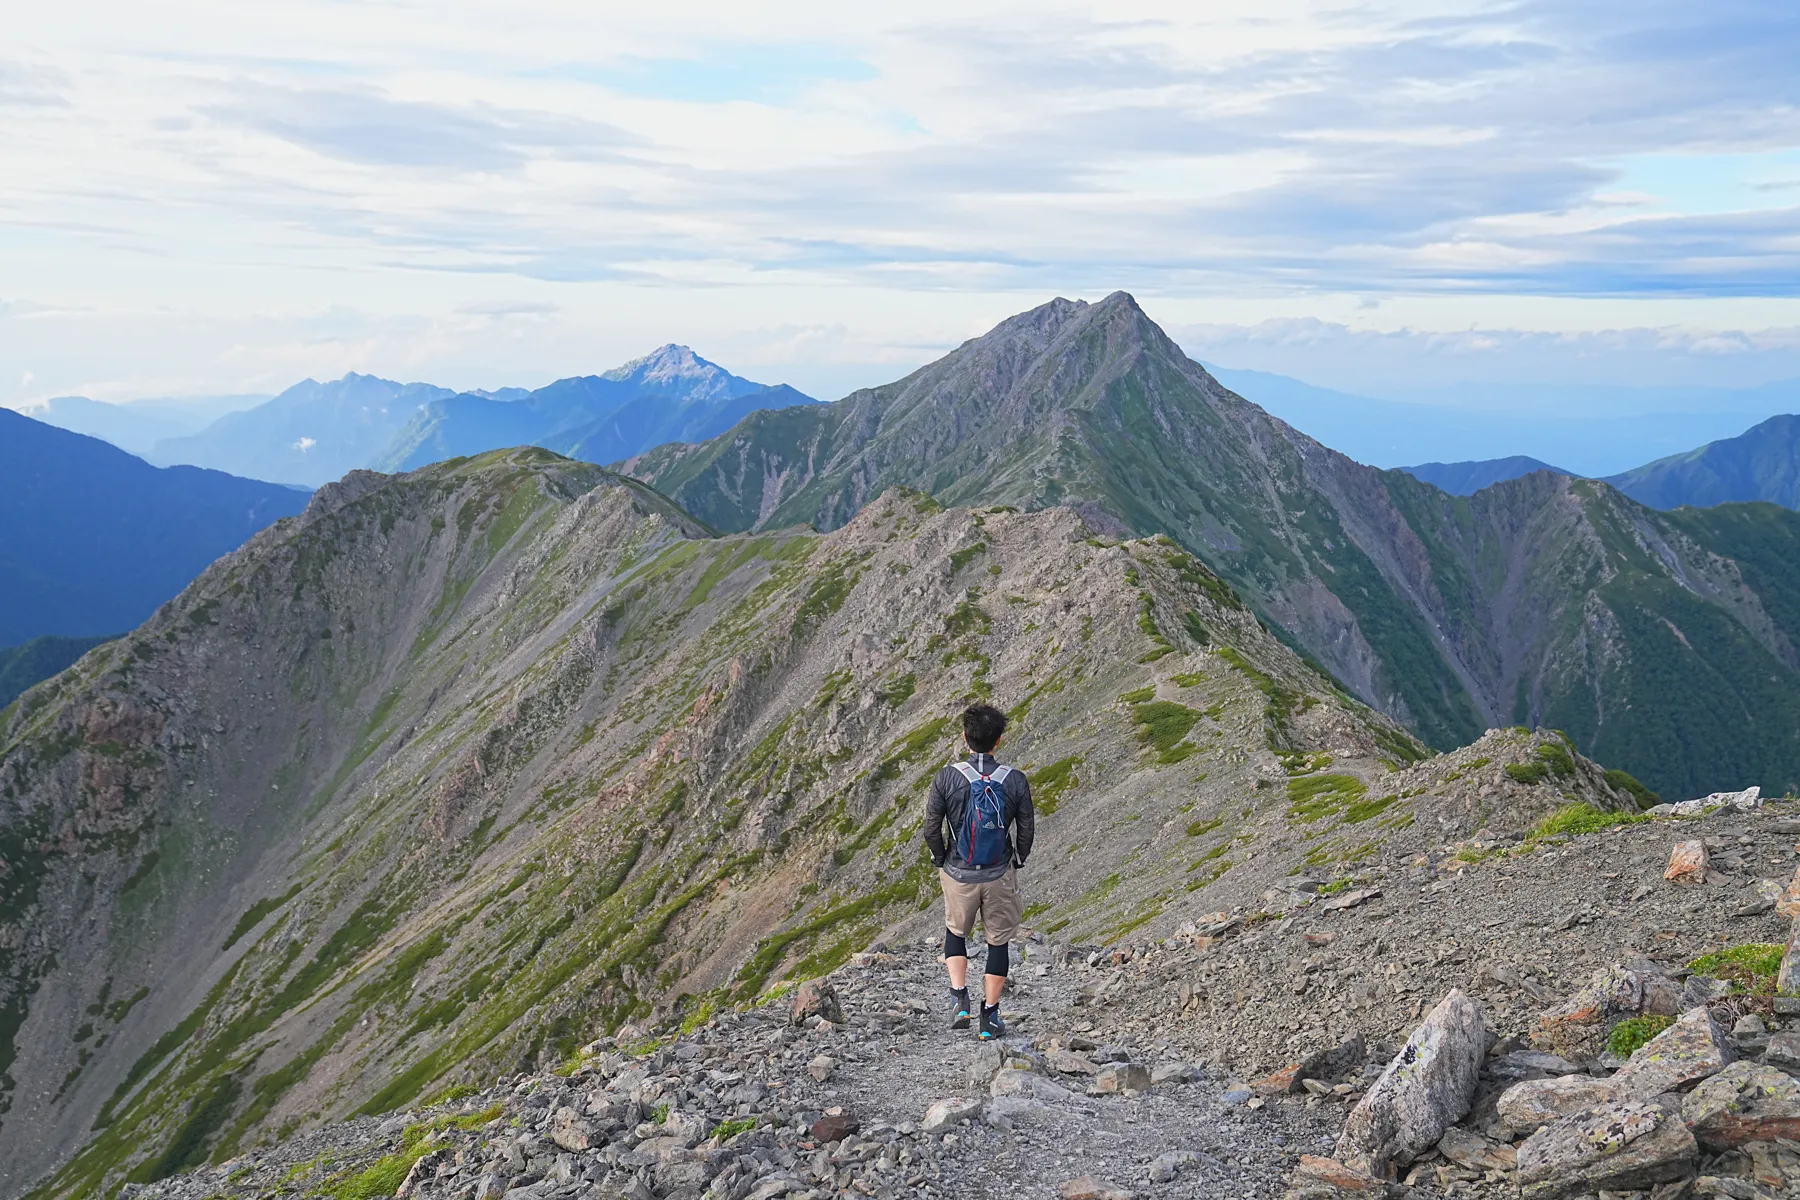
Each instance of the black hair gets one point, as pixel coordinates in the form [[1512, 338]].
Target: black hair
[[982, 726]]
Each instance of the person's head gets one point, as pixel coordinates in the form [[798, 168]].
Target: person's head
[[982, 726]]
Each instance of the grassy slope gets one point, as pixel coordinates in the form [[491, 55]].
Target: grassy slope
[[592, 756]]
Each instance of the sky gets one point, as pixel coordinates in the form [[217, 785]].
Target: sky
[[1384, 198]]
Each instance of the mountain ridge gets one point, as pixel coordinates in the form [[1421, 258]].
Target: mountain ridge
[[427, 781], [1450, 618]]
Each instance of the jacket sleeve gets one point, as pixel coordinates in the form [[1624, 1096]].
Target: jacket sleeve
[[1024, 819], [935, 802]]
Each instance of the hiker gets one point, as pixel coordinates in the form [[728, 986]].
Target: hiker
[[980, 800]]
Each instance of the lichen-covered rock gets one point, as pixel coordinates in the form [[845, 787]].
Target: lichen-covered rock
[[1426, 1089], [1577, 1027], [570, 1131], [1531, 1104], [1471, 1150], [1743, 1103], [1688, 1051], [1622, 1146], [1787, 979], [1321, 1178], [1788, 902], [1688, 862]]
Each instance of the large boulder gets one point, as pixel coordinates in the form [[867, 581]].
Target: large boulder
[[1692, 1049], [1577, 1027], [1624, 1146], [1426, 1089], [1531, 1104], [1743, 1103], [1787, 979]]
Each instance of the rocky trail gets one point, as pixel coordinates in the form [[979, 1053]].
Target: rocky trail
[[1267, 1052]]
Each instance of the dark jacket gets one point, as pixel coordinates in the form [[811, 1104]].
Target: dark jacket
[[948, 801]]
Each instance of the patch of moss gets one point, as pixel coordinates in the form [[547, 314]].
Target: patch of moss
[[1631, 1034], [1313, 796], [1141, 696], [1049, 783], [960, 558], [1751, 967]]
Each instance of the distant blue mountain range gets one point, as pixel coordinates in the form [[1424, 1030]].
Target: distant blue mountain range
[[1467, 478], [1762, 463], [315, 432], [1592, 431], [92, 539], [669, 395]]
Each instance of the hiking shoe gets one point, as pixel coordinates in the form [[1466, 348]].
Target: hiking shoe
[[959, 1008], [991, 1024]]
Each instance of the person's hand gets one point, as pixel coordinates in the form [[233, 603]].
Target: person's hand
[[1018, 864]]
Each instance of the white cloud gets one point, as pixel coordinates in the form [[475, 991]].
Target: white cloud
[[236, 198]]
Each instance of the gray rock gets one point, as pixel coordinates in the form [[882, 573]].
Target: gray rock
[[1783, 1050], [1164, 1167], [1787, 979], [1175, 1073], [1529, 1106], [816, 998], [1425, 1089], [570, 1131], [1623, 1146], [1026, 1083], [1743, 1103], [686, 1172], [1088, 1187], [1121, 1077], [1070, 1063], [984, 1061], [951, 1111], [1471, 1150], [1541, 1060], [1688, 1051]]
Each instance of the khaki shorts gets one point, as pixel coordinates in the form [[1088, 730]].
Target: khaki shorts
[[997, 904]]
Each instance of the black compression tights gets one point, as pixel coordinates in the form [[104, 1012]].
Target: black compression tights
[[999, 959]]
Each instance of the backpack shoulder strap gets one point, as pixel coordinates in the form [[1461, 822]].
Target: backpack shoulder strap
[[1000, 773], [969, 773]]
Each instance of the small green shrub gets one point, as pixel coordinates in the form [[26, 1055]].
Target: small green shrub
[[1528, 772], [1630, 1034], [730, 1129], [1573, 820], [1141, 696], [1163, 725]]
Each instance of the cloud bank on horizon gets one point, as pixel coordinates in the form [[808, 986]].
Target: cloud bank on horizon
[[207, 197]]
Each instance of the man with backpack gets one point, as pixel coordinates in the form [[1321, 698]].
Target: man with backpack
[[987, 808]]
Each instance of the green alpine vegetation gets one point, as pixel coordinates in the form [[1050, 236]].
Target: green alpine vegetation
[[466, 766]]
